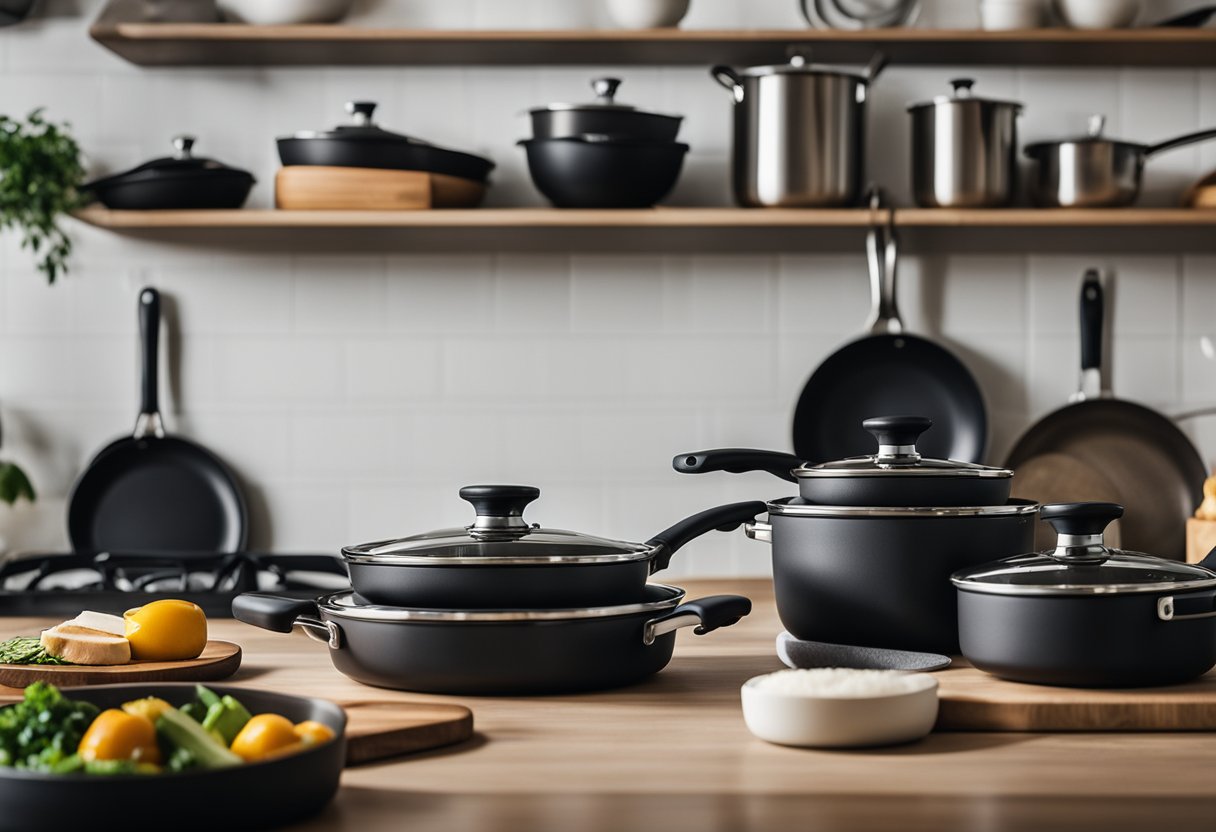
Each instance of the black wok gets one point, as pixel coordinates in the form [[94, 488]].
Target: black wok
[[495, 652]]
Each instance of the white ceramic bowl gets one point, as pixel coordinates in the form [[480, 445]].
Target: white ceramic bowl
[[997, 15], [1098, 14], [647, 14], [842, 721], [283, 12]]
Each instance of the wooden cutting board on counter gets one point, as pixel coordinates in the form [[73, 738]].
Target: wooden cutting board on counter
[[972, 700], [381, 730], [219, 660]]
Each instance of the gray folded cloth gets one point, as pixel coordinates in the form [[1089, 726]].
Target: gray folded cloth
[[804, 654]]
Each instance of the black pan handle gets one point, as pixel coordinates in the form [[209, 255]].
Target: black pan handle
[[723, 518], [708, 614], [271, 612], [1209, 562], [1081, 518], [738, 461], [149, 337], [1093, 310]]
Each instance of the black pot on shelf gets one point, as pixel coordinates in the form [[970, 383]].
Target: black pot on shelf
[[605, 117], [597, 171], [181, 181]]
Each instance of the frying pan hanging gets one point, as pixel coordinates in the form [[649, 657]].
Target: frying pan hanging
[[152, 492], [889, 371], [1155, 470]]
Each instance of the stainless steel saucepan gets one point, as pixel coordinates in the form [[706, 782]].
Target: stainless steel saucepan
[[1093, 171]]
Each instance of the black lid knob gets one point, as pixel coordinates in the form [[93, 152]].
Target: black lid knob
[[897, 430], [1081, 518], [499, 500], [962, 86]]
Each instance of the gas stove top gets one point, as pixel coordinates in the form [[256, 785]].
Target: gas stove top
[[66, 583]]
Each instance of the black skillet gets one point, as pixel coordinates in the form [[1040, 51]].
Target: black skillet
[[889, 371], [152, 492]]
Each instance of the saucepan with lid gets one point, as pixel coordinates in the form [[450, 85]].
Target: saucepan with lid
[[501, 561], [1087, 615], [496, 652], [605, 116]]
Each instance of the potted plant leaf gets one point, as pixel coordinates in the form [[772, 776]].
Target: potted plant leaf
[[40, 176]]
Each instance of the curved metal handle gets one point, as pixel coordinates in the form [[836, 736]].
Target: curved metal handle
[[882, 253], [1181, 141], [1096, 125], [281, 615], [728, 79], [149, 421], [875, 67], [722, 518], [1187, 607], [605, 89], [759, 531], [708, 614], [1093, 318]]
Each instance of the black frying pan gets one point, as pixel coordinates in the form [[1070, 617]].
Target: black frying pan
[[1152, 465], [152, 492], [885, 372]]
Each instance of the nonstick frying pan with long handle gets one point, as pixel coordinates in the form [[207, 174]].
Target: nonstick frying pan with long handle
[[153, 492], [1154, 468], [889, 371]]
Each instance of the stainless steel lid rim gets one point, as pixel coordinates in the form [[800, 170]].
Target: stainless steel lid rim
[[785, 507], [975, 472], [342, 605], [1086, 590], [438, 559]]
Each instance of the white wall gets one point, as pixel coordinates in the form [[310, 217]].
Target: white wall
[[355, 392]]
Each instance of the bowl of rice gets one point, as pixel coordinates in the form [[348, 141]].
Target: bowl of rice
[[833, 707]]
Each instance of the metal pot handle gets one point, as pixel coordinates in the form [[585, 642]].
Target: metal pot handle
[[875, 67], [882, 252], [708, 614], [729, 79], [759, 531], [723, 518], [1187, 607], [281, 615], [1181, 141]]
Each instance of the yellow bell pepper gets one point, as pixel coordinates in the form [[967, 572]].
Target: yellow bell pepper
[[265, 736], [118, 735]]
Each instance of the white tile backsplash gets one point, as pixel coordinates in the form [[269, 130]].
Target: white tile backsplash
[[355, 391]]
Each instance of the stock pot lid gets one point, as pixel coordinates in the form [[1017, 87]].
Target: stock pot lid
[[962, 94], [498, 536], [897, 456], [605, 100], [798, 65], [1081, 564]]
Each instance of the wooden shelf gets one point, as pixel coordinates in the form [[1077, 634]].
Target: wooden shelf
[[123, 29], [671, 229]]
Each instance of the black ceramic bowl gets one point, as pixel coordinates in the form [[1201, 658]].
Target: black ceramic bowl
[[582, 173], [253, 796]]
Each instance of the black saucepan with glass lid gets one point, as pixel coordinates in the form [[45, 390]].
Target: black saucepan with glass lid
[[1087, 615], [503, 562]]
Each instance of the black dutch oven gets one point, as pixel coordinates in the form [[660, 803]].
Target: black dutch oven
[[894, 476], [181, 181], [365, 145], [599, 171], [604, 116], [495, 652], [501, 561], [1086, 615]]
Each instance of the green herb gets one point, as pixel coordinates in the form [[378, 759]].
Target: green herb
[[25, 650], [42, 732], [14, 484], [40, 176]]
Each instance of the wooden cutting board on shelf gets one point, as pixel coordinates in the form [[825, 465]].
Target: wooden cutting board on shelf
[[972, 700], [326, 188], [380, 730], [219, 660]]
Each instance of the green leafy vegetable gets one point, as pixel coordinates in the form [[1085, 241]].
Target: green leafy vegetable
[[26, 650], [42, 732], [40, 174], [14, 484]]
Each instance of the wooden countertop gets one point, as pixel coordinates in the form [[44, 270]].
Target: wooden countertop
[[673, 754]]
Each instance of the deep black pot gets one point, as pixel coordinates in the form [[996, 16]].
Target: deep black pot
[[610, 173], [881, 577], [264, 795], [495, 652]]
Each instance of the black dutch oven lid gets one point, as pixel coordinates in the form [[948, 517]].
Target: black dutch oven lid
[[897, 456], [1081, 563], [499, 535], [605, 100], [361, 128], [183, 164]]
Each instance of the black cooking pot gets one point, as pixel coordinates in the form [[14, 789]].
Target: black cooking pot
[[604, 116], [181, 181], [1085, 615], [501, 561], [896, 476], [880, 576], [596, 171], [495, 652], [364, 145]]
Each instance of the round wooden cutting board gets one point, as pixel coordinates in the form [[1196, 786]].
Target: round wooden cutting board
[[219, 660]]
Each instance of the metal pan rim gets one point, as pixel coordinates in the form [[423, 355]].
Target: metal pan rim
[[1012, 508]]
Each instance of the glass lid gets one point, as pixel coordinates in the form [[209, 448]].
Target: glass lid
[[499, 534], [1081, 564], [897, 456], [605, 99], [361, 128], [961, 93]]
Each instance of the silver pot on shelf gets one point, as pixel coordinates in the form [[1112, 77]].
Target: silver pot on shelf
[[799, 132]]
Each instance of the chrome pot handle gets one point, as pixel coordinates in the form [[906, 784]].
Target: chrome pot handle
[[282, 615], [729, 79], [759, 531], [882, 252], [1187, 607], [707, 614]]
